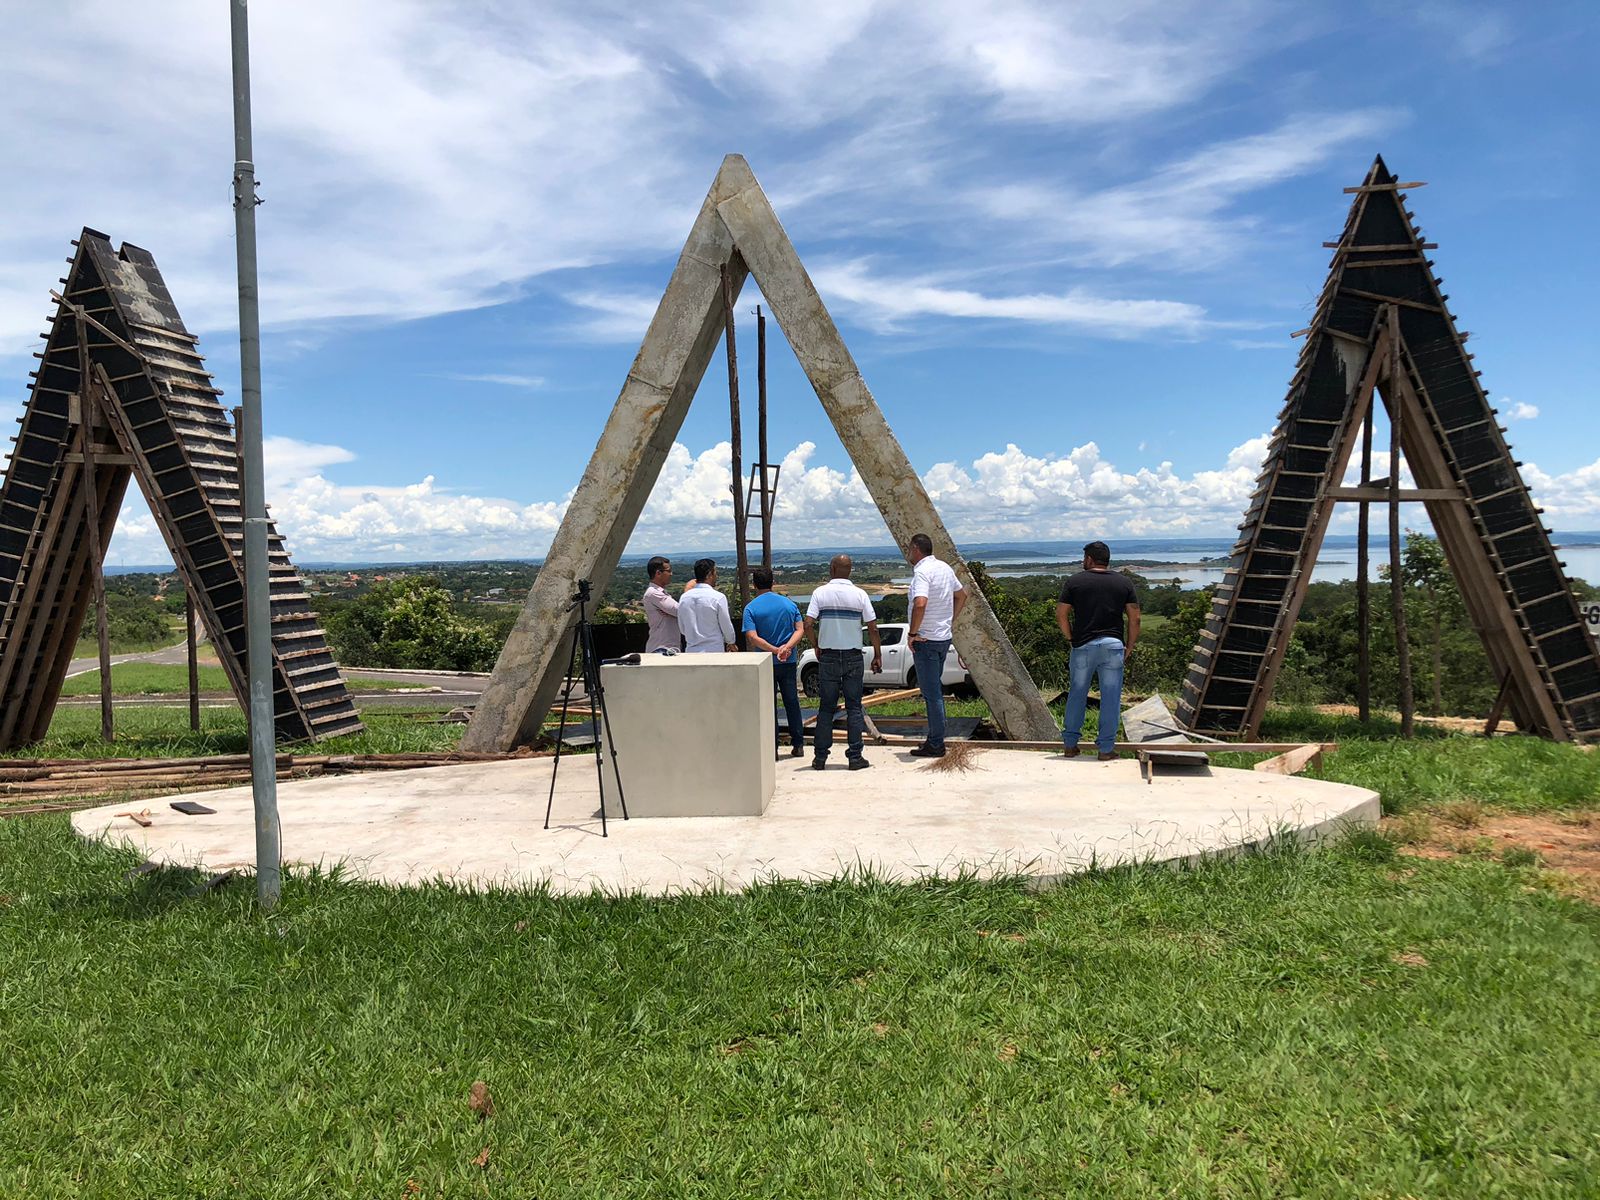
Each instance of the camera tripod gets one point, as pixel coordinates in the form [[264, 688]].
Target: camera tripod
[[583, 650]]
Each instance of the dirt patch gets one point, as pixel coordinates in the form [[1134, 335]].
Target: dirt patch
[[1565, 845], [1454, 724]]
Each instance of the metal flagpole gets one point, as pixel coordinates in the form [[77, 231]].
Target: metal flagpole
[[258, 628]]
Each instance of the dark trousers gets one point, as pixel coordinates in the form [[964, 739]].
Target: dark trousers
[[928, 657], [783, 682], [839, 671]]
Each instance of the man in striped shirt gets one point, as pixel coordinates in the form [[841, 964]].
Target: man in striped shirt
[[834, 620]]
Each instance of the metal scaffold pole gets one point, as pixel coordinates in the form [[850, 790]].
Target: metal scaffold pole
[[258, 629]]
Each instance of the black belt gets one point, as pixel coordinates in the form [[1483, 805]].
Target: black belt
[[829, 651]]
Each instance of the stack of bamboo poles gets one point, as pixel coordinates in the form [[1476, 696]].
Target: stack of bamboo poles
[[60, 785]]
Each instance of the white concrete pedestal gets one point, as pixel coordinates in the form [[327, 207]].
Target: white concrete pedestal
[[695, 735]]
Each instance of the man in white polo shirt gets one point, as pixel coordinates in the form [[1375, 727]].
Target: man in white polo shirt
[[937, 599], [834, 618], [703, 613]]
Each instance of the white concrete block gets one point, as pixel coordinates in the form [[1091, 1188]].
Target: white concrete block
[[694, 734]]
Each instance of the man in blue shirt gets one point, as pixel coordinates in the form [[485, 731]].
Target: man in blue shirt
[[772, 623]]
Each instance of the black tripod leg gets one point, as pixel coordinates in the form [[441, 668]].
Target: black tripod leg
[[591, 684], [611, 742], [566, 698]]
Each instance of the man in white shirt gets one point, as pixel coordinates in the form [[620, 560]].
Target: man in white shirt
[[703, 615], [834, 620], [937, 599], [660, 609]]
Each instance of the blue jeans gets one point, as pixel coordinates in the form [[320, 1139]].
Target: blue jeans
[[928, 658], [1102, 657], [783, 682], [839, 671]]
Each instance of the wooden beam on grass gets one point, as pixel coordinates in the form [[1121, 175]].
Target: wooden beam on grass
[[1291, 762]]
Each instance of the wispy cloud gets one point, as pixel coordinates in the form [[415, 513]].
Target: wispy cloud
[[887, 303], [406, 148], [612, 316], [1521, 411], [512, 381], [1182, 214]]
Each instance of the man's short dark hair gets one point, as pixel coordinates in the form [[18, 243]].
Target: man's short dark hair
[[653, 567], [922, 542], [1098, 553], [703, 568], [762, 576]]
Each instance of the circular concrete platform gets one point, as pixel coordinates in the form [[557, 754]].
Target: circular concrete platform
[[1015, 812]]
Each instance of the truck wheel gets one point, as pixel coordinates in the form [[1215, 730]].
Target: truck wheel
[[911, 677], [808, 680]]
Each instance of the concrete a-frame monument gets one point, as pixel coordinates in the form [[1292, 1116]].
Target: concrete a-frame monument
[[736, 231]]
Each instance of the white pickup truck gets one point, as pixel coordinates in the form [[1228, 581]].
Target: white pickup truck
[[898, 671]]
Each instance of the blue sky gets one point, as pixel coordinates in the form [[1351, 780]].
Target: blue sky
[[1066, 243]]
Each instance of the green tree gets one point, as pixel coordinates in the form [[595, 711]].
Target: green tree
[[1161, 659], [1427, 571], [132, 622], [409, 622]]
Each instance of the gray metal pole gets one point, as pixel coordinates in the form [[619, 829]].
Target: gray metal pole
[[258, 618]]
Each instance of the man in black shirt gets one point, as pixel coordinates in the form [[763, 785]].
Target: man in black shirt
[[1090, 612]]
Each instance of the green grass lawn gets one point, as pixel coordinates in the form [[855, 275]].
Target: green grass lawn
[[147, 679], [1324, 1025], [166, 679]]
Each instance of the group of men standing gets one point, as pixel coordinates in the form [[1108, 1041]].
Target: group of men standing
[[1098, 613], [839, 621]]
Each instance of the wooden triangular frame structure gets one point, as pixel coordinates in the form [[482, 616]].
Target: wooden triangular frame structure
[[149, 412], [737, 232], [1381, 327]]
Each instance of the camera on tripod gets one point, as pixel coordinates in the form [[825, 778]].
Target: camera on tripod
[[588, 670]]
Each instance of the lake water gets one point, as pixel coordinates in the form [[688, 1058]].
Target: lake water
[[1335, 564]]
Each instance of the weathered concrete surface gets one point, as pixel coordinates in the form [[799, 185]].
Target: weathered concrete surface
[[1017, 813], [615, 485], [694, 735], [907, 509], [736, 226]]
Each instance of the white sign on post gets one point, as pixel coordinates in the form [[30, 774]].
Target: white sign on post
[[1591, 616]]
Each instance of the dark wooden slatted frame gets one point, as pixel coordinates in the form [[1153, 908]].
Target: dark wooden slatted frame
[[43, 597], [1538, 701]]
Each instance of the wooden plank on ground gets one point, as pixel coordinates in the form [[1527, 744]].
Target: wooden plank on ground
[[1132, 747], [1291, 762]]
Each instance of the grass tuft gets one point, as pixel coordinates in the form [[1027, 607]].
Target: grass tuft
[[959, 757]]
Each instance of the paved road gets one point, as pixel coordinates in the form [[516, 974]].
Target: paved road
[[450, 681], [170, 654]]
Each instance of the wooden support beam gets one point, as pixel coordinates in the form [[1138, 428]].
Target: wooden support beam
[[1384, 492], [1498, 708], [1290, 762], [1384, 187], [97, 584], [1382, 299], [761, 439], [741, 552], [1363, 586], [192, 646], [1402, 642], [1206, 748]]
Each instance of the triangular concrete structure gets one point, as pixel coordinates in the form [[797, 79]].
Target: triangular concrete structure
[[1381, 327], [737, 230], [155, 419]]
